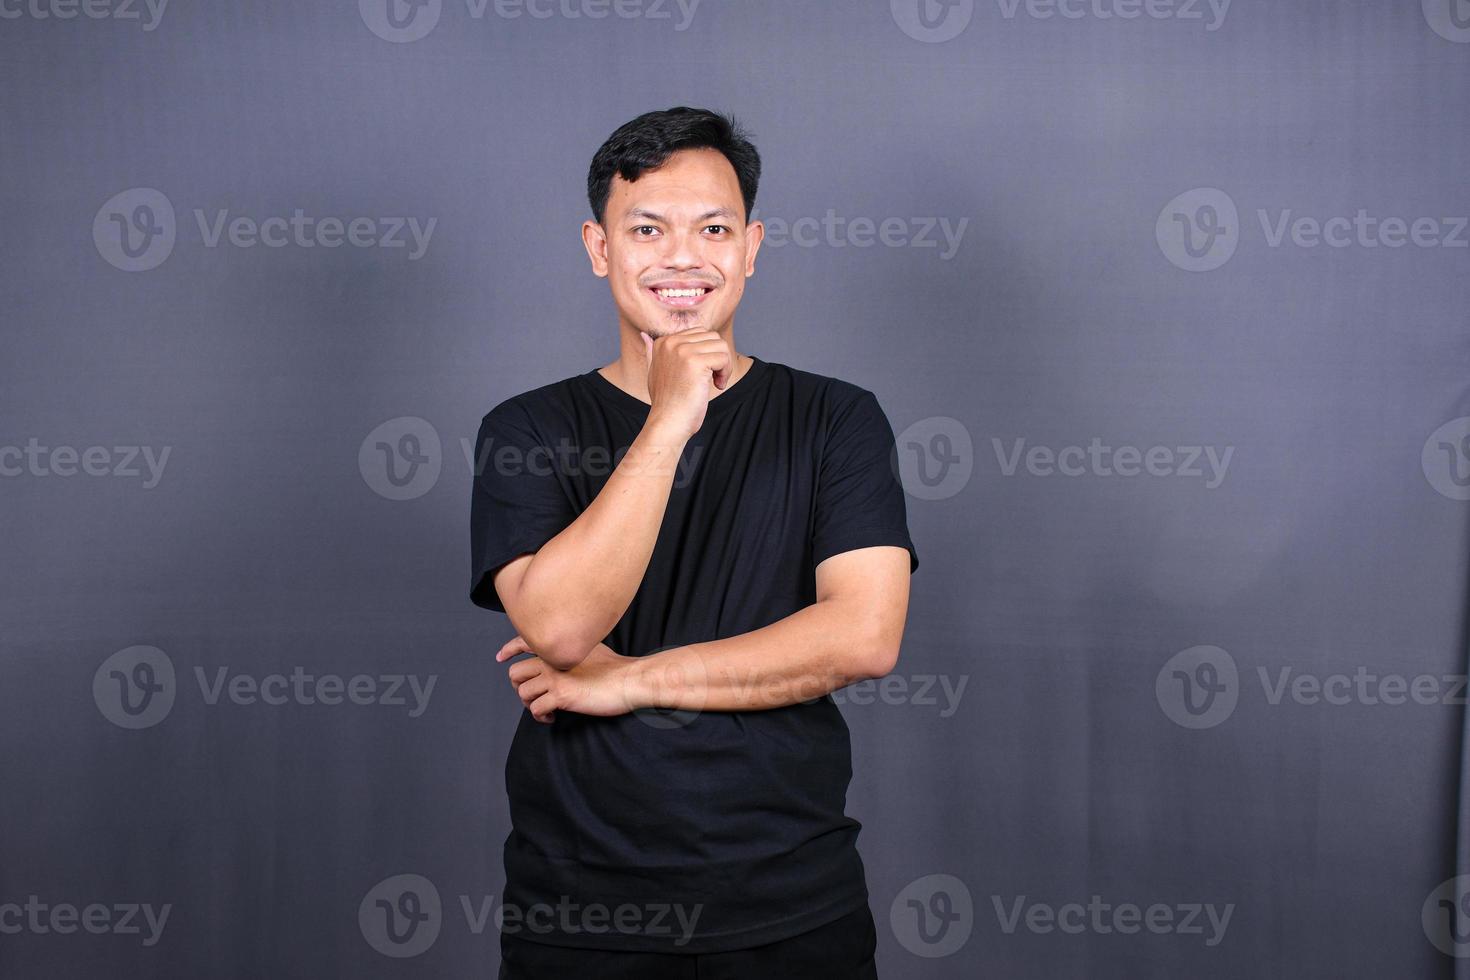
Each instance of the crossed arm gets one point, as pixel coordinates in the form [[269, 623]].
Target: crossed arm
[[564, 597], [850, 633]]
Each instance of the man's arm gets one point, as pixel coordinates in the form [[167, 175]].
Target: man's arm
[[850, 633], [564, 598]]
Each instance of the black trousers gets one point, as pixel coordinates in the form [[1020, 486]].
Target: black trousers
[[840, 950]]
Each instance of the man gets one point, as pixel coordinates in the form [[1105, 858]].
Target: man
[[695, 546]]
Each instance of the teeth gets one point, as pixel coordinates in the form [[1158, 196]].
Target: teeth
[[674, 293]]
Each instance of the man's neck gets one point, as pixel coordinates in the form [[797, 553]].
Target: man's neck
[[630, 371]]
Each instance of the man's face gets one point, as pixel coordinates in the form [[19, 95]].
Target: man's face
[[674, 245]]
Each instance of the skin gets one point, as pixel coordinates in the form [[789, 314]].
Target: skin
[[683, 222]]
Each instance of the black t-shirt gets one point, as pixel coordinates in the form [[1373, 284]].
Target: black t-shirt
[[734, 819]]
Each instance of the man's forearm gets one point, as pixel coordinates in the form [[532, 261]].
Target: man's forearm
[[815, 650], [579, 584]]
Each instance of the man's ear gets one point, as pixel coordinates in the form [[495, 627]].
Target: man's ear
[[594, 239], [755, 233]]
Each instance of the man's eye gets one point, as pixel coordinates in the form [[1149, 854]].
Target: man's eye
[[642, 228], [717, 228]]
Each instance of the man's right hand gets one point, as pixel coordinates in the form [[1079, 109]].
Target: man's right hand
[[683, 370]]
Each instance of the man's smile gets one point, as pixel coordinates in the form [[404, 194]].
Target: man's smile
[[681, 295]]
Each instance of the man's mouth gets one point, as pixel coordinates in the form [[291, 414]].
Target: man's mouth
[[680, 296]]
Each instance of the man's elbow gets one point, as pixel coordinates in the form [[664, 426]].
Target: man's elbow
[[551, 636], [561, 651], [877, 654], [564, 652], [566, 655], [883, 664]]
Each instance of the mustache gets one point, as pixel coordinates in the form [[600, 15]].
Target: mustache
[[696, 280]]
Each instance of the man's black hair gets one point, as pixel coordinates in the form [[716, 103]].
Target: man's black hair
[[644, 144]]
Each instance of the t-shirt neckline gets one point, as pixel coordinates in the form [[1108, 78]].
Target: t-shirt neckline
[[744, 387]]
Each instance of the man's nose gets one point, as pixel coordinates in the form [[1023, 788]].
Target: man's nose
[[682, 249]]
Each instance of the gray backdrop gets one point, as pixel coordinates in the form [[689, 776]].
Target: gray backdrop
[[1166, 303]]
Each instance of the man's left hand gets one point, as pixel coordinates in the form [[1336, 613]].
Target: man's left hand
[[596, 686]]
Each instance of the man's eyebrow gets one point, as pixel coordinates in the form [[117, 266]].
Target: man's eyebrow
[[654, 216]]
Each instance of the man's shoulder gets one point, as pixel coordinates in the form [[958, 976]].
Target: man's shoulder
[[535, 403], [827, 390]]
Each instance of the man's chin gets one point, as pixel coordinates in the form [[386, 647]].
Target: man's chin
[[678, 323]]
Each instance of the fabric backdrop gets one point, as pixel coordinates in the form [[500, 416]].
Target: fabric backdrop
[[1165, 299]]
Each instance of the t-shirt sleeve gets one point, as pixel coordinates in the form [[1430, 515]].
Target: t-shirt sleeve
[[517, 503], [860, 499]]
